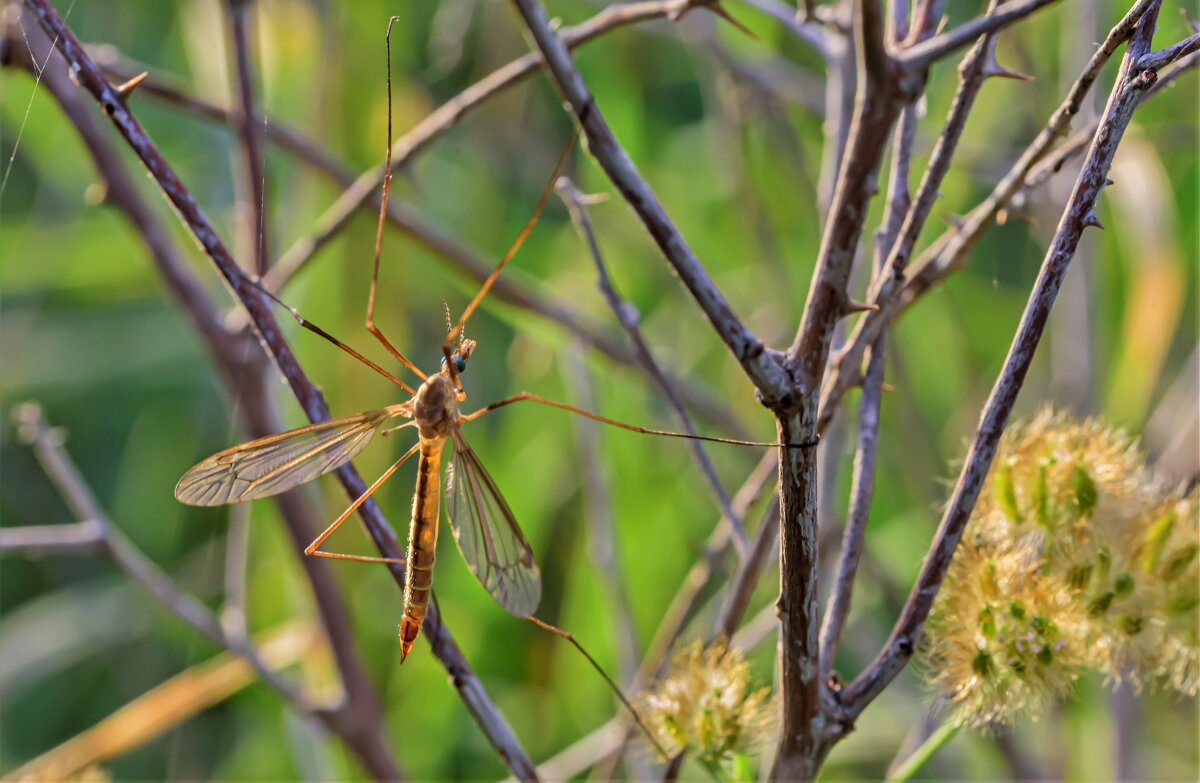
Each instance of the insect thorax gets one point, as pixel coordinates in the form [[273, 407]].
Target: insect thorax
[[435, 407]]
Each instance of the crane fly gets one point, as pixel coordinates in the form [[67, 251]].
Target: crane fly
[[483, 525]]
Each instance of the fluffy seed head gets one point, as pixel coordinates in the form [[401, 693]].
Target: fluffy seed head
[[706, 705], [1074, 529]]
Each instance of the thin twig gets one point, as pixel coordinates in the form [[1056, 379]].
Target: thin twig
[[1164, 57], [598, 503], [925, 54], [951, 249], [89, 76], [628, 317], [750, 569], [253, 168], [1078, 215], [449, 114], [761, 367], [862, 482], [241, 364], [462, 257], [95, 532]]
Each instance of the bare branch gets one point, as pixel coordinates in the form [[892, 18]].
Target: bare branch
[[91, 79], [628, 317], [467, 260], [1077, 216], [862, 481], [951, 249], [449, 114], [881, 96], [745, 579], [927, 53], [1173, 53], [84, 536], [762, 369], [241, 363], [95, 532], [254, 201]]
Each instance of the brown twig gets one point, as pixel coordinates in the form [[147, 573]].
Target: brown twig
[[759, 365], [95, 533], [750, 569], [1078, 215], [467, 260], [882, 92], [1164, 57], [862, 482], [89, 76], [598, 503], [628, 317], [254, 201], [449, 114], [241, 364], [922, 55], [951, 249]]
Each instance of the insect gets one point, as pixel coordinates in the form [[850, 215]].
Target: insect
[[483, 525]]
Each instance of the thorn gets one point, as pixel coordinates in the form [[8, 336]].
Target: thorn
[[1090, 219], [125, 90], [852, 306], [720, 11], [945, 20], [887, 387], [995, 69], [1001, 216], [1108, 183]]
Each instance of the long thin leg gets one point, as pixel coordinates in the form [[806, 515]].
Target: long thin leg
[[448, 344], [613, 422], [312, 551], [310, 326], [545, 626], [387, 181]]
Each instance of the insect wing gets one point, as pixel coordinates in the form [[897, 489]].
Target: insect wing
[[488, 535], [277, 463]]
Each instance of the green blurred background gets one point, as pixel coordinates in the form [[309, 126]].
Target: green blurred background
[[87, 330]]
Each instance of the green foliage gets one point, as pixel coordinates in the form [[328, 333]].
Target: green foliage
[[87, 329]]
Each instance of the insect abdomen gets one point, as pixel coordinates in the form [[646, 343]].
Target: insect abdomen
[[422, 543]]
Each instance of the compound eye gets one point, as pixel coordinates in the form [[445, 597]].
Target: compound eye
[[460, 364]]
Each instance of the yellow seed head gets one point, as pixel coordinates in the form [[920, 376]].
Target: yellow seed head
[[705, 704], [1072, 531]]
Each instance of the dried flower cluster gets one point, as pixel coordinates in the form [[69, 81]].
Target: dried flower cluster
[[705, 705], [1075, 559]]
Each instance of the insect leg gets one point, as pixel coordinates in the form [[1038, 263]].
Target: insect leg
[[631, 427], [312, 549]]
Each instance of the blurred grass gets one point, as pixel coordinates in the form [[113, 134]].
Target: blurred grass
[[86, 329]]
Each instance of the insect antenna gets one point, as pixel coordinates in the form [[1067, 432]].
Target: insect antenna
[[611, 684], [459, 327]]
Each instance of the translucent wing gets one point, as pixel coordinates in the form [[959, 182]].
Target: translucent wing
[[271, 465], [488, 535]]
